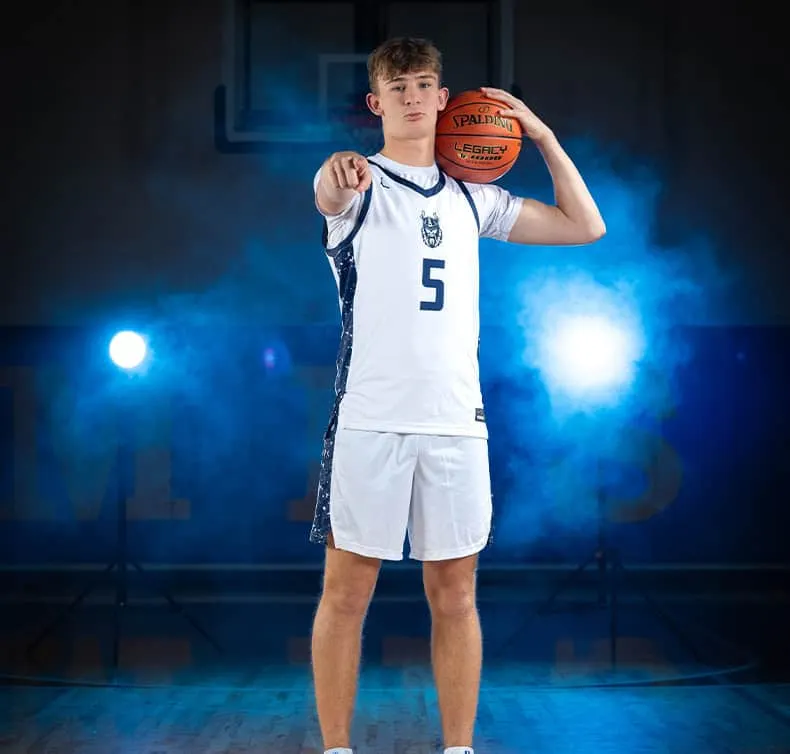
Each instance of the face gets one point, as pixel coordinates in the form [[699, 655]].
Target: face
[[408, 104]]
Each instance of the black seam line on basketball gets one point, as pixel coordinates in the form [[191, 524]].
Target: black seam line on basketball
[[480, 169], [488, 103], [469, 167], [485, 136]]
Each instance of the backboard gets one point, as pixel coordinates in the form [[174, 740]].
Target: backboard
[[295, 73]]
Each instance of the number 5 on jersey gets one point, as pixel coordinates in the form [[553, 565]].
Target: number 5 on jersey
[[428, 281]]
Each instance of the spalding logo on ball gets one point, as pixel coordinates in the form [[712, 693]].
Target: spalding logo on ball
[[474, 143]]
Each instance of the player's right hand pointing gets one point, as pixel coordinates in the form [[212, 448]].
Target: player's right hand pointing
[[349, 170]]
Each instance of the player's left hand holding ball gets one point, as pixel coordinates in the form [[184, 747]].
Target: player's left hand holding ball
[[531, 125]]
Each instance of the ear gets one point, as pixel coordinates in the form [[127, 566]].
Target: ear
[[374, 103], [444, 97]]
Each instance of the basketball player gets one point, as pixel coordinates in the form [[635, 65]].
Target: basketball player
[[406, 446]]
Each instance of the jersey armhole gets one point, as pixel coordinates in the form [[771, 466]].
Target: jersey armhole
[[471, 201], [363, 211]]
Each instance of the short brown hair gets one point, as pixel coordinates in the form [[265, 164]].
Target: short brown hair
[[403, 55]]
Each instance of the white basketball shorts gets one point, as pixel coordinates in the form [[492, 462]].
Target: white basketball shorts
[[382, 486]]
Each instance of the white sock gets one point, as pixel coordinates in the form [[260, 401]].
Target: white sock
[[339, 750], [459, 750]]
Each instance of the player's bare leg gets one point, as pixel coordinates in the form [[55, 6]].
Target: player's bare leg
[[456, 645], [349, 581]]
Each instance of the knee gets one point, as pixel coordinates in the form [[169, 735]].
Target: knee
[[451, 598], [346, 601], [348, 597]]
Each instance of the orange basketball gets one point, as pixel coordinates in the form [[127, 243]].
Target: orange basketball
[[473, 142]]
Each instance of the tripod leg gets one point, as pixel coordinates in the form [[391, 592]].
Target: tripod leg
[[615, 571], [116, 638], [559, 589], [604, 574], [566, 582], [120, 604], [666, 618], [176, 606], [66, 612]]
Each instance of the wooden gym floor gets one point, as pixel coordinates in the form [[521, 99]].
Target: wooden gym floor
[[548, 686]]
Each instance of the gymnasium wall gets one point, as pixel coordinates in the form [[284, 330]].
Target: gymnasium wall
[[116, 197], [118, 208]]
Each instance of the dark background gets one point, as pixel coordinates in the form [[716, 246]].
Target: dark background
[[145, 186]]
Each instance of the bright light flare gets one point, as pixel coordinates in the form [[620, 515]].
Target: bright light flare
[[589, 359], [128, 349], [590, 353]]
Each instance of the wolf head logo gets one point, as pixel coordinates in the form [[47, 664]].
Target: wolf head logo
[[431, 230]]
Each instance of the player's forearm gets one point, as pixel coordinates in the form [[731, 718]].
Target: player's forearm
[[571, 194], [330, 197]]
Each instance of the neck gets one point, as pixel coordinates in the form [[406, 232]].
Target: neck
[[414, 152]]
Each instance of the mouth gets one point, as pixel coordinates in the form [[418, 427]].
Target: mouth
[[414, 116]]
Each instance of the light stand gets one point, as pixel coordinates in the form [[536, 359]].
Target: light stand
[[590, 358], [119, 566], [612, 575], [611, 571]]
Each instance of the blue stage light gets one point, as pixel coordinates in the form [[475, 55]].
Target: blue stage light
[[589, 354], [128, 349], [587, 342]]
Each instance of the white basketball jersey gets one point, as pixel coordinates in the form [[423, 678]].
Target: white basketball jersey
[[405, 259]]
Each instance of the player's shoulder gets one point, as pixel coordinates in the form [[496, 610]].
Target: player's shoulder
[[485, 197], [479, 189]]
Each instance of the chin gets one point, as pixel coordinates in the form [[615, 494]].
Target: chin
[[418, 131]]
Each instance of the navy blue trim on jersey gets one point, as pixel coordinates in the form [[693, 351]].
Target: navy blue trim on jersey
[[363, 211], [471, 201], [343, 260], [413, 186], [347, 287]]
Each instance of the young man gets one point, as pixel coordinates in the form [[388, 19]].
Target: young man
[[406, 447]]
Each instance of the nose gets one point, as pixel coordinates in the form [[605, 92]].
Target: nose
[[412, 94]]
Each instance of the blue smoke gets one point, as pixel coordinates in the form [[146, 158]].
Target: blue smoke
[[552, 444], [235, 241], [556, 440]]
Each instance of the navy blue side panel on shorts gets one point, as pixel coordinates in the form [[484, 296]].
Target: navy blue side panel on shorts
[[342, 257]]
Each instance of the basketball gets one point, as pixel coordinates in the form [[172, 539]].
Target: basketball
[[473, 142]]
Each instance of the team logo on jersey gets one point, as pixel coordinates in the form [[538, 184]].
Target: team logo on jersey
[[431, 232]]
